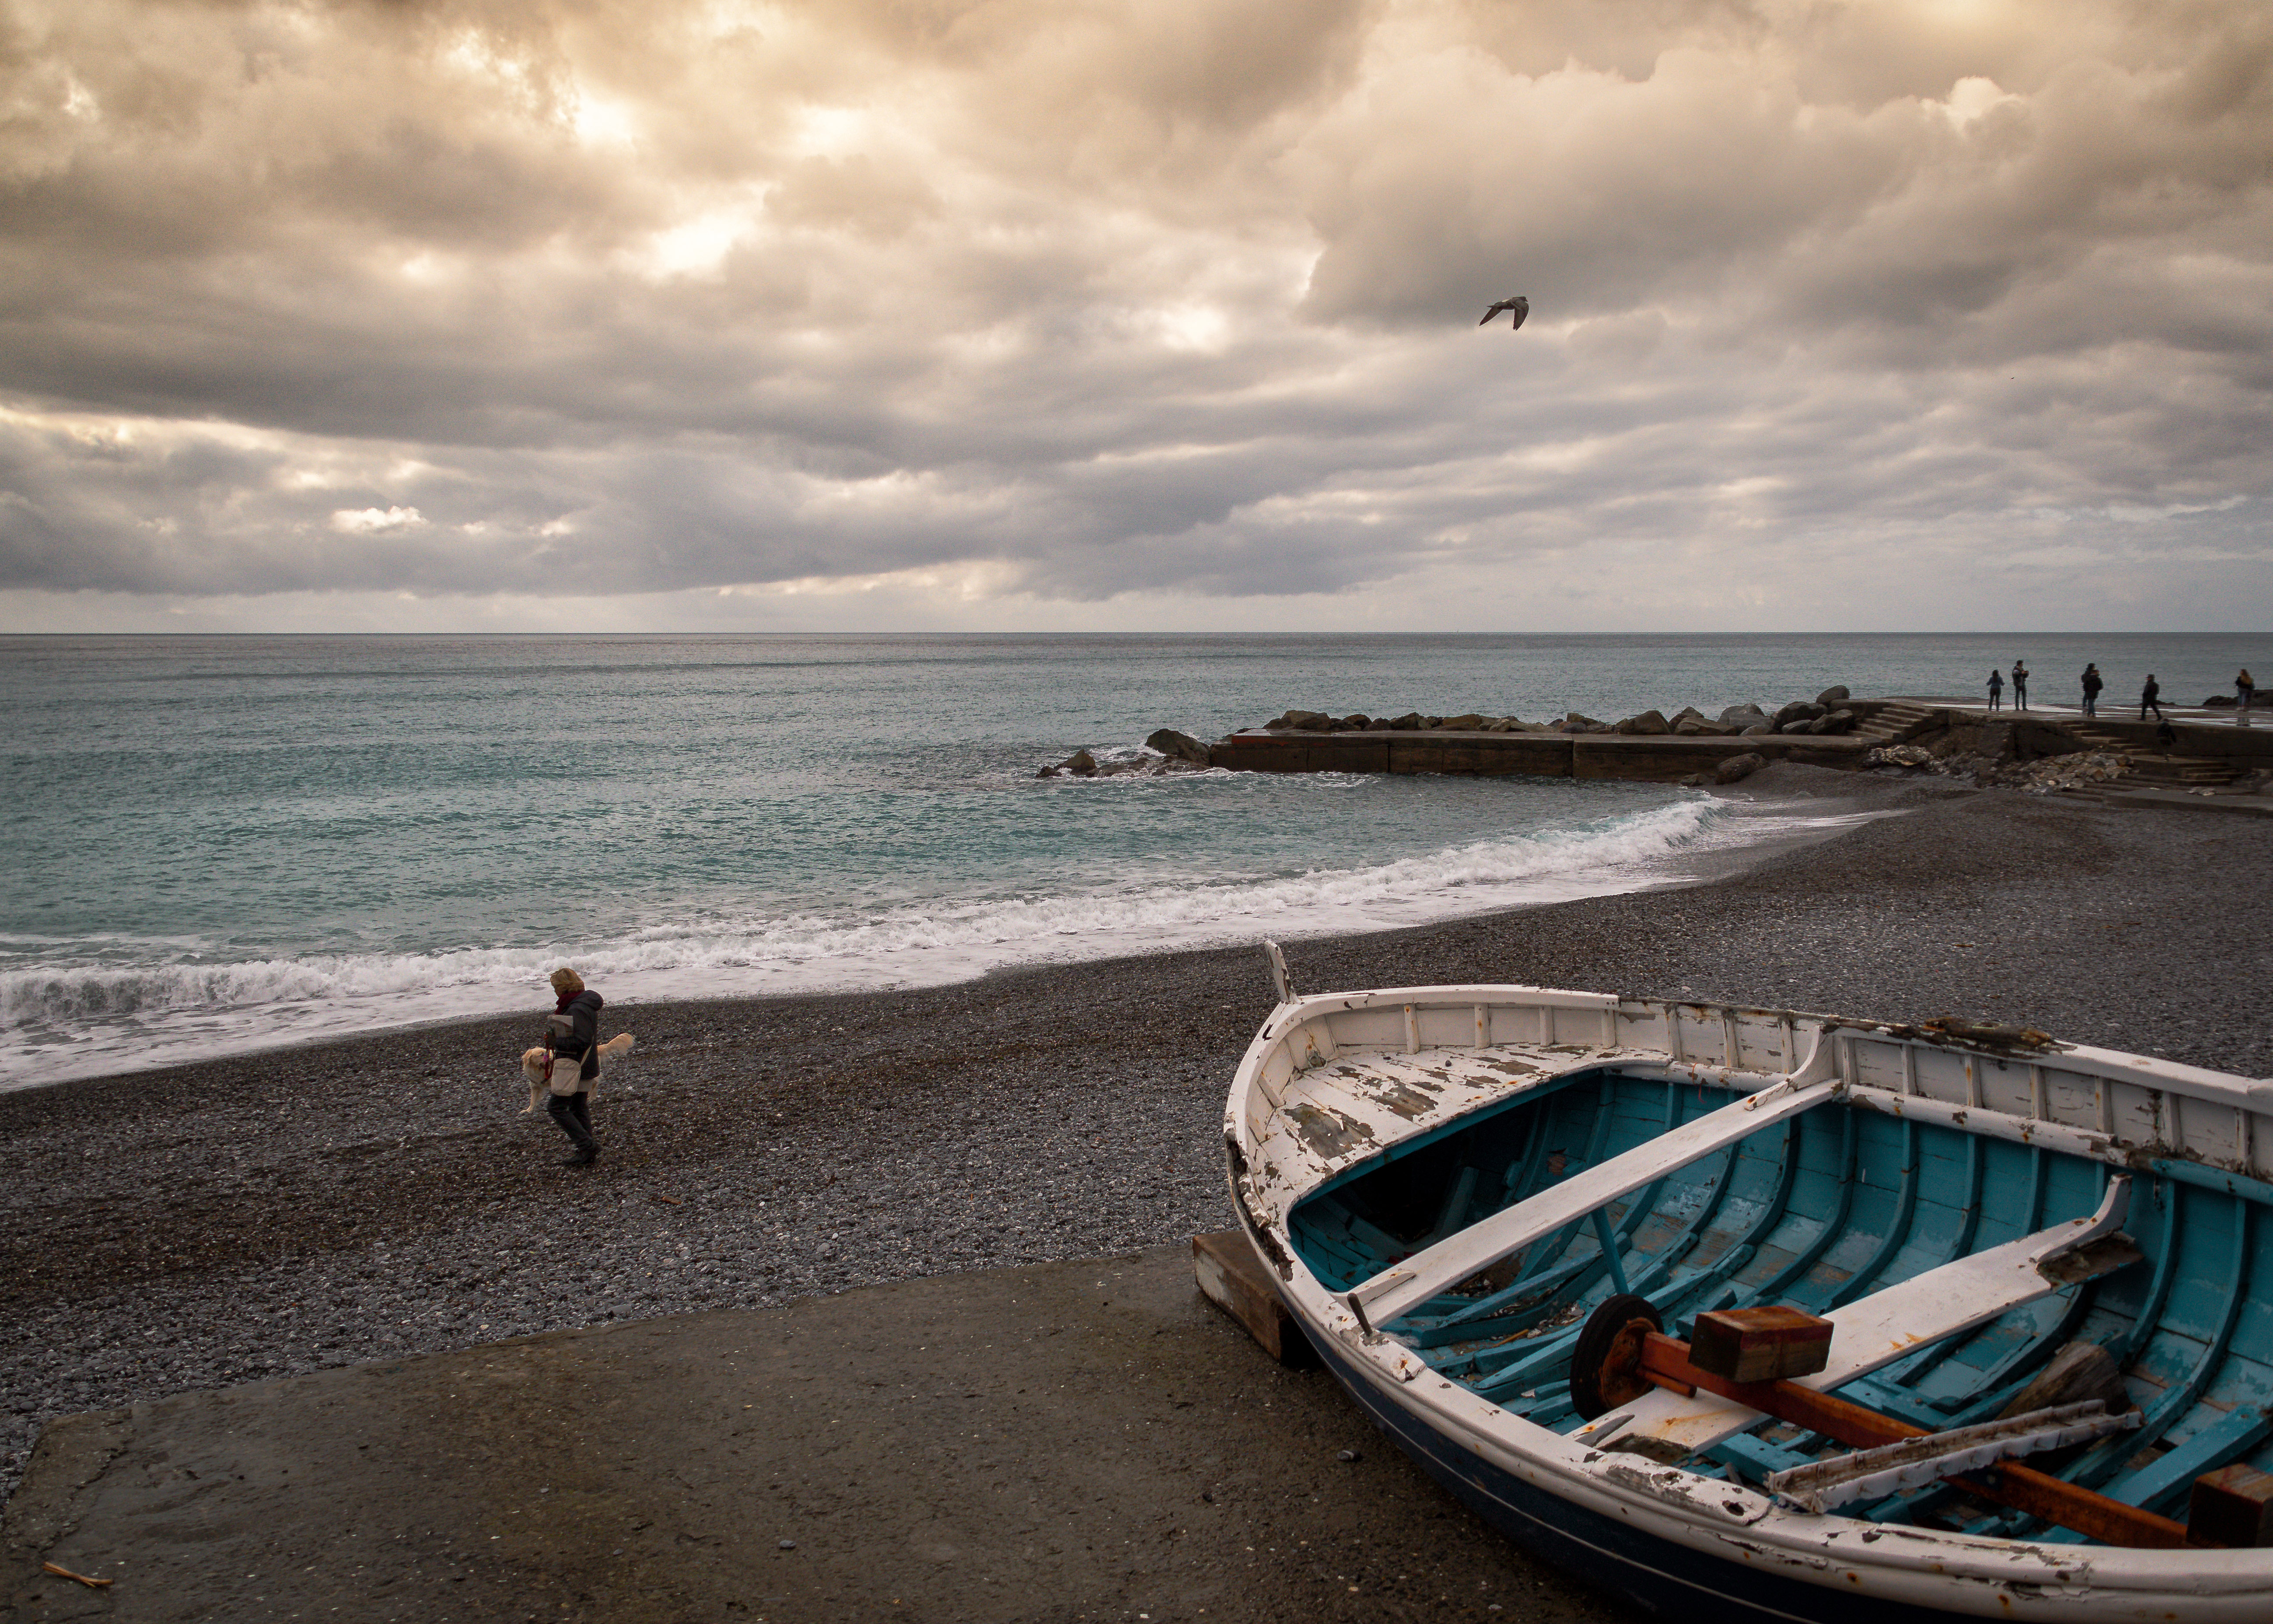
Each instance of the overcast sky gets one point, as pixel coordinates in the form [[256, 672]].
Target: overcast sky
[[1136, 313]]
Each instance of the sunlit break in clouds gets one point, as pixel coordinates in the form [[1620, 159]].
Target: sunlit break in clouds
[[1151, 314]]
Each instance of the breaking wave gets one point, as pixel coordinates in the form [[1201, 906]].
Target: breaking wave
[[162, 1006]]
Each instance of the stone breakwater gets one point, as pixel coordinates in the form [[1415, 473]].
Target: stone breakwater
[[1828, 713], [1891, 737]]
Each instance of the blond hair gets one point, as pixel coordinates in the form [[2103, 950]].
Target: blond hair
[[564, 980]]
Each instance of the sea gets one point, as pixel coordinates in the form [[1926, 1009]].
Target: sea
[[219, 844]]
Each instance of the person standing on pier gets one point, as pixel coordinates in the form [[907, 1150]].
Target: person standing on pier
[[2091, 687], [1996, 687], [2020, 685], [2150, 698], [2244, 689]]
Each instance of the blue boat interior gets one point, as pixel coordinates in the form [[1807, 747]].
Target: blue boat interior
[[1816, 1212]]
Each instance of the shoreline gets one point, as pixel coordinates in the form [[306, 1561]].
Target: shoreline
[[297, 1209], [1794, 791]]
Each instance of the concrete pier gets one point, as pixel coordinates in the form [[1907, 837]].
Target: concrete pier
[[1558, 755]]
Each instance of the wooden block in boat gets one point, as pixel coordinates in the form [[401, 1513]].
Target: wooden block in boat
[[2078, 1372], [1233, 1278], [1761, 1344], [2232, 1506]]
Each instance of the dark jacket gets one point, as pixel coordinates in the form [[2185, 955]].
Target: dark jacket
[[2091, 682], [576, 1027]]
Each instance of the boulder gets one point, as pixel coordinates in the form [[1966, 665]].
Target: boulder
[[1412, 721], [1380, 724], [1080, 765], [1840, 722], [1467, 724], [1648, 722], [1307, 721], [1576, 723], [1178, 747], [1758, 732], [1832, 698], [1738, 767], [1356, 721], [1798, 710], [1741, 717]]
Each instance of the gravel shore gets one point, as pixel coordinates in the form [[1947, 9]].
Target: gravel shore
[[285, 1212]]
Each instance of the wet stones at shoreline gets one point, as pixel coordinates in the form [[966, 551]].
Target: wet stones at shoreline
[[2085, 769]]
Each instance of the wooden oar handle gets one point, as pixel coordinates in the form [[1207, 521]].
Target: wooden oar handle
[[1665, 1361]]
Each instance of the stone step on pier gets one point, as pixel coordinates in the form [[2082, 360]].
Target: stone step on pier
[[1900, 721], [2162, 770], [2209, 755]]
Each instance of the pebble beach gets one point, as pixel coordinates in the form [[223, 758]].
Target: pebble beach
[[301, 1208]]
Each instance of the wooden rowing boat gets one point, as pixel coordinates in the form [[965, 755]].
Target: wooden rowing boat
[[1499, 1212]]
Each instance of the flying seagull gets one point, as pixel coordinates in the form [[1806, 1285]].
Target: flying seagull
[[1521, 305]]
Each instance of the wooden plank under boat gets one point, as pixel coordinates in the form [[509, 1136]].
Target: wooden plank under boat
[[1448, 1182]]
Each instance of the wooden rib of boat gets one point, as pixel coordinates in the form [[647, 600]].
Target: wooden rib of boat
[[1449, 1183]]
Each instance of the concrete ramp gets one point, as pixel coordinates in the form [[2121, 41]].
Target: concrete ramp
[[1067, 1440]]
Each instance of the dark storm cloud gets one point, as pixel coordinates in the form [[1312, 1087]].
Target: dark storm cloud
[[1176, 298]]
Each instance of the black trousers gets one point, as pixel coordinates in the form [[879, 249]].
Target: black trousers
[[573, 1113]]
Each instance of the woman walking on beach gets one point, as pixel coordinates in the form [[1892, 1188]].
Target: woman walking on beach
[[2244, 689], [2020, 685], [573, 1034], [1996, 687], [2091, 687], [2150, 698]]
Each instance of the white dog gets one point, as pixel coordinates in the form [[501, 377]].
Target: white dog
[[532, 1067]]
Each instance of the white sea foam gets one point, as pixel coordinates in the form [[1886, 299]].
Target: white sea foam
[[102, 1018]]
